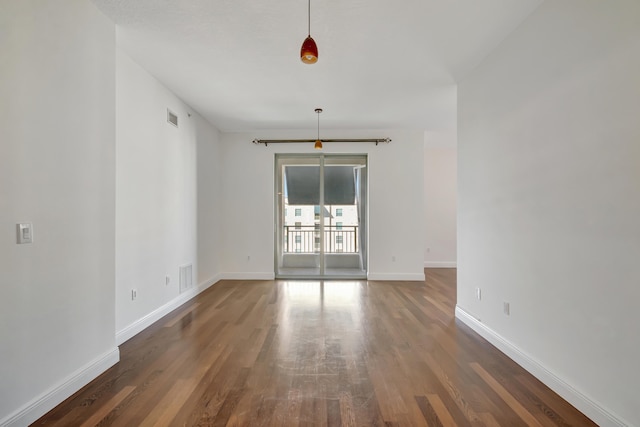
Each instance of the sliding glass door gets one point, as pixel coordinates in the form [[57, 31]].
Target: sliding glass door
[[321, 216]]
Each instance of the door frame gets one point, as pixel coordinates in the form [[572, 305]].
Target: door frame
[[360, 161]]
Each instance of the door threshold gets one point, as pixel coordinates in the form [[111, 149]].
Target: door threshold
[[307, 277]]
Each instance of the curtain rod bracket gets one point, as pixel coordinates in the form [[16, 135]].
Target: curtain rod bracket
[[258, 142]]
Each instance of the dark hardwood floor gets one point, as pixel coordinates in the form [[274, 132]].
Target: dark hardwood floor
[[310, 353]]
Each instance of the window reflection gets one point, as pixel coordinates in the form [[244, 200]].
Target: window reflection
[[322, 294]]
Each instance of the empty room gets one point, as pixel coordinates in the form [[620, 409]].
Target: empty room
[[319, 213]]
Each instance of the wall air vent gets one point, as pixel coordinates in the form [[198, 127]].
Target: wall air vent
[[172, 118], [186, 277]]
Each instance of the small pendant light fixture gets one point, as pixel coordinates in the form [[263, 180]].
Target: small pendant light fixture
[[318, 144], [309, 49]]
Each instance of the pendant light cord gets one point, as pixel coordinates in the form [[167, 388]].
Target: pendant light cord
[[309, 10], [318, 111]]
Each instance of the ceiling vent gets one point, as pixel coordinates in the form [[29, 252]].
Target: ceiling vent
[[172, 118]]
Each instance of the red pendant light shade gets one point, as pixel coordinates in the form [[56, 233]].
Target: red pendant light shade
[[309, 51]]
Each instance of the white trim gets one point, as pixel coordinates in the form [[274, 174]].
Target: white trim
[[141, 324], [48, 400], [393, 277], [586, 405], [440, 264], [249, 276]]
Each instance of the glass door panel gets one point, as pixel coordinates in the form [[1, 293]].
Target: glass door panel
[[345, 226], [297, 212]]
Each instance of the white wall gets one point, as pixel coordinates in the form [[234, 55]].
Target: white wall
[[209, 182], [549, 185], [157, 197], [440, 200], [57, 133], [396, 184]]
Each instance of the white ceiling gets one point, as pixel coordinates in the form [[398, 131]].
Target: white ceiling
[[382, 64]]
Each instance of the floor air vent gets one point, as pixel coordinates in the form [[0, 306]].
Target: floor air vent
[[186, 277]]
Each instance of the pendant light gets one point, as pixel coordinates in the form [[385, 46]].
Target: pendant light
[[318, 144], [309, 49]]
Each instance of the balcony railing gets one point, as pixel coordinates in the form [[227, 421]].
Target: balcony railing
[[305, 239]]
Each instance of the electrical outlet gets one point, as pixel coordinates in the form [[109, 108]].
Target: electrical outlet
[[167, 280], [134, 294], [479, 294], [506, 308]]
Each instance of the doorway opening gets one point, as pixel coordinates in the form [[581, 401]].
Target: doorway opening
[[321, 211]]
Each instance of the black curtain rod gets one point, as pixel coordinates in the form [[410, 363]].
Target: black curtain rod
[[289, 141]]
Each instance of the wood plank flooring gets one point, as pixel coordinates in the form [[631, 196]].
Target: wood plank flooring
[[313, 353]]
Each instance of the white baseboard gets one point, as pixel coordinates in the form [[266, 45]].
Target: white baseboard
[[587, 406], [249, 276], [440, 264], [396, 277], [48, 400], [141, 324]]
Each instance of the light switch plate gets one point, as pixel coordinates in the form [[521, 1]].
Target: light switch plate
[[25, 232]]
